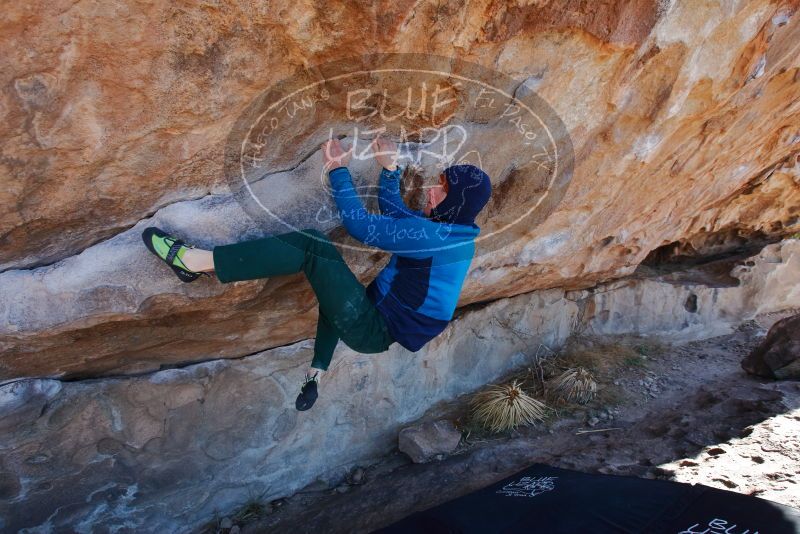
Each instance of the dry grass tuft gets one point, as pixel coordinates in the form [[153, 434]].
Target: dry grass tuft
[[603, 358], [505, 407], [607, 356], [574, 385]]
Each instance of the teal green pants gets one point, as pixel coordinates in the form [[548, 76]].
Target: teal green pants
[[345, 311]]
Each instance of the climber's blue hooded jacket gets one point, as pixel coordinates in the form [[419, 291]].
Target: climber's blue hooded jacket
[[417, 291]]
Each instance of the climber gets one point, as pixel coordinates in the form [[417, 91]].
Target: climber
[[410, 301]]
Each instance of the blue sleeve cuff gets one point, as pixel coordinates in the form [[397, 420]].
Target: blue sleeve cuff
[[339, 175], [342, 168], [394, 173]]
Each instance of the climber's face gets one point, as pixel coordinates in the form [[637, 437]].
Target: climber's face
[[436, 194]]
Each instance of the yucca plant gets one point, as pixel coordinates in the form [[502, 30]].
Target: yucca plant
[[574, 385], [504, 407]]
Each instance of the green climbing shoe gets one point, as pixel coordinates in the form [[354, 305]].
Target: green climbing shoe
[[170, 250]]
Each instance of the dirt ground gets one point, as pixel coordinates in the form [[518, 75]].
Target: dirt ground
[[684, 412]]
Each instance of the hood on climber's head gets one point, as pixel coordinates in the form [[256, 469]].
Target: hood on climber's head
[[468, 191]]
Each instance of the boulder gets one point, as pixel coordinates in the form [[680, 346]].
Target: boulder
[[778, 356], [425, 441], [116, 119]]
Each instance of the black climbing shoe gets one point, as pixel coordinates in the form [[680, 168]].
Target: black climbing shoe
[[308, 393], [166, 248]]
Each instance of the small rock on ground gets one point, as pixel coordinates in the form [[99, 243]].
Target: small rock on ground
[[426, 441]]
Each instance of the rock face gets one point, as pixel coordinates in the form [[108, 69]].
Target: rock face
[[162, 451], [424, 441], [778, 356], [683, 118]]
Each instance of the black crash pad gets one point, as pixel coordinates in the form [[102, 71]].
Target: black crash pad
[[554, 501]]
